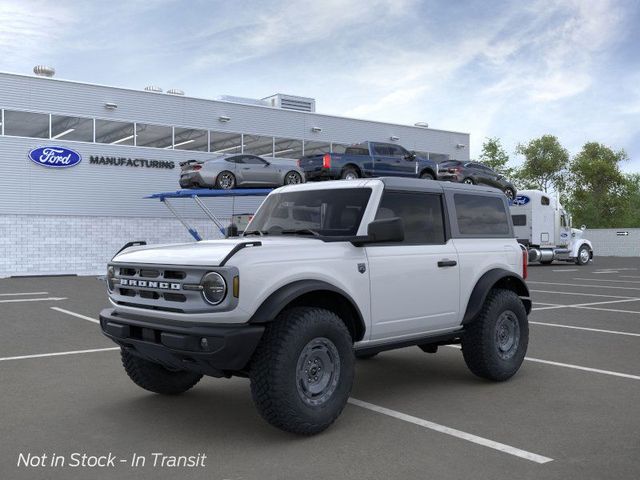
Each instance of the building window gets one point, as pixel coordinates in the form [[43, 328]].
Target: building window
[[316, 148], [26, 124], [115, 133], [156, 136], [225, 143], [287, 148], [438, 157], [190, 139], [71, 128], [257, 145]]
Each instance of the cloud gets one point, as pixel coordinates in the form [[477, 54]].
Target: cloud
[[30, 28]]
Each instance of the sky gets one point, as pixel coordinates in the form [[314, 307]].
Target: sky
[[514, 70]]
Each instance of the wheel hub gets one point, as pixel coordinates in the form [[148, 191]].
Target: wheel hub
[[507, 334], [318, 371], [584, 255]]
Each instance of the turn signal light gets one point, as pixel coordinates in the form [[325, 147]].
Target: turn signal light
[[326, 160]]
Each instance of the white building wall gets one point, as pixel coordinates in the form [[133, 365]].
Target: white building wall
[[613, 241], [56, 245]]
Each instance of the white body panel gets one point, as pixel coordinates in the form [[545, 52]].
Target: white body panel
[[401, 292]]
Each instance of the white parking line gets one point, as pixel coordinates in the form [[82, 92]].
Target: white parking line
[[22, 293], [585, 369], [48, 299], [533, 457], [610, 310], [584, 305], [597, 330], [629, 276], [57, 354], [585, 285], [582, 294], [605, 280], [575, 367], [566, 270], [74, 314]]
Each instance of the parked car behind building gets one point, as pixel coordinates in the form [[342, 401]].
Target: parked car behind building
[[230, 171], [368, 159], [475, 173]]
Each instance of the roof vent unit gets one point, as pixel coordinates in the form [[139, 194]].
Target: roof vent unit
[[243, 100], [153, 88], [44, 71], [292, 102], [175, 91]]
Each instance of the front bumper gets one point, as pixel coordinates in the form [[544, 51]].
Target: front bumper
[[449, 177], [181, 346]]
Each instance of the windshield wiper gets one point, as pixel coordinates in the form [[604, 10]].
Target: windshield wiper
[[301, 231]]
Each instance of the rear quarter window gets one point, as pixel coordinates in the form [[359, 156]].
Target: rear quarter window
[[481, 215]]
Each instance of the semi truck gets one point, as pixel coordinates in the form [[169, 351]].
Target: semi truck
[[544, 227]]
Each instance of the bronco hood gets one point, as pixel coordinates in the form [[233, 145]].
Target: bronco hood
[[205, 253]]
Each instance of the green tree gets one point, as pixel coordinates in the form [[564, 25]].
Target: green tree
[[495, 157], [545, 164], [600, 194]]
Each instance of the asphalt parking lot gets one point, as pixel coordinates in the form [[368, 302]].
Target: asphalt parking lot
[[572, 412]]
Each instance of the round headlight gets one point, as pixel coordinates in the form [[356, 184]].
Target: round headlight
[[111, 273], [214, 288]]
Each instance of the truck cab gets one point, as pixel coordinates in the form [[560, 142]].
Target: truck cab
[[542, 224]]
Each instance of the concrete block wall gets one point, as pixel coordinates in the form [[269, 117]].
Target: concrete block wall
[[613, 241], [54, 245]]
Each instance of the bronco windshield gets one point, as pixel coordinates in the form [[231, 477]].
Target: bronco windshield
[[332, 212]]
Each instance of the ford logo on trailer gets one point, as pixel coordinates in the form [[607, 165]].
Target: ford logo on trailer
[[520, 200], [55, 157]]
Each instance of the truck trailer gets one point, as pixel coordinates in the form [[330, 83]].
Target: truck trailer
[[543, 226]]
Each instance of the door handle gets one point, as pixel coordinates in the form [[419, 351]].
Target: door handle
[[447, 263]]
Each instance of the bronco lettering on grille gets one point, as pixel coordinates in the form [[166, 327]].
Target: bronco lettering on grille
[[145, 283]]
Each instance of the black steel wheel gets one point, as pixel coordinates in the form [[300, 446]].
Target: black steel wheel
[[495, 342], [302, 371], [427, 176]]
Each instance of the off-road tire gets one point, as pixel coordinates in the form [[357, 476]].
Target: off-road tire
[[365, 356], [220, 179], [469, 181], [427, 176], [579, 260], [480, 343], [349, 173], [275, 386], [155, 378]]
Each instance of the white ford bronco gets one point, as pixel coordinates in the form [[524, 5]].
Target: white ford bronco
[[325, 273]]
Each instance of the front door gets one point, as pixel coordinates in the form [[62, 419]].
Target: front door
[[257, 171], [415, 284]]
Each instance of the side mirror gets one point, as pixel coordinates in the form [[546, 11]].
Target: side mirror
[[583, 227], [382, 231], [410, 156]]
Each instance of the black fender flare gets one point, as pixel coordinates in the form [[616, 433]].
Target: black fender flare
[[497, 277], [430, 170], [279, 299]]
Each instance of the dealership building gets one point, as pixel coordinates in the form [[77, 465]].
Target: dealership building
[[127, 144]]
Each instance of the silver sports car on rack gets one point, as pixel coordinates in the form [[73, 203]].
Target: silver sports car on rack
[[241, 170]]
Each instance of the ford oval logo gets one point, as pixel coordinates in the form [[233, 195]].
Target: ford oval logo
[[520, 200], [55, 157]]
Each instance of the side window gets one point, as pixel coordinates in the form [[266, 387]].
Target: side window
[[235, 159], [420, 212], [381, 149], [397, 151], [251, 160], [563, 220], [480, 215], [545, 200]]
